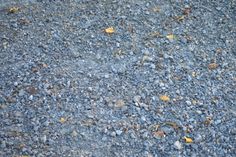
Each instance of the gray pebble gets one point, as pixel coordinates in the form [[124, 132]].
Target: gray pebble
[[178, 145]]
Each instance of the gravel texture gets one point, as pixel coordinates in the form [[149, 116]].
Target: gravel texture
[[163, 84]]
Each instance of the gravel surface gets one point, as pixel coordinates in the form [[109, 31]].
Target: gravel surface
[[162, 84]]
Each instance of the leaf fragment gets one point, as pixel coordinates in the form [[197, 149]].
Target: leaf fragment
[[62, 120], [156, 9], [159, 133], [109, 30], [188, 139], [13, 10], [119, 103], [170, 36], [164, 98], [187, 11], [212, 66], [180, 18]]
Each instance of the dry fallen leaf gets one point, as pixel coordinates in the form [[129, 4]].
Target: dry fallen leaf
[[173, 125], [119, 103], [188, 140], [164, 98], [170, 36], [156, 9], [34, 69], [13, 9], [180, 18], [187, 11], [208, 121], [31, 90], [43, 65], [109, 30], [88, 122], [159, 133], [212, 66], [62, 120]]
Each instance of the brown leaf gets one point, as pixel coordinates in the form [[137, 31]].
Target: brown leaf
[[43, 65], [187, 11], [119, 103], [212, 66], [88, 122], [156, 9], [34, 70], [23, 21], [173, 125], [159, 133], [219, 50], [207, 121], [31, 90]]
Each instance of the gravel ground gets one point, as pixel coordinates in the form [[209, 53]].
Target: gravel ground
[[163, 84]]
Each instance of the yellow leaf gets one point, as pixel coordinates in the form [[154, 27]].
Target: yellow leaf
[[62, 120], [170, 36], [180, 18], [188, 140], [13, 9], [164, 98], [110, 30]]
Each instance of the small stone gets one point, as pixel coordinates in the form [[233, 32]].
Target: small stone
[[145, 134], [162, 84], [21, 92], [137, 99], [104, 138], [178, 145], [90, 89], [113, 134], [143, 118], [2, 100], [198, 138], [199, 112], [31, 97], [188, 102], [153, 66], [3, 144], [217, 122], [15, 83], [118, 132], [74, 133], [106, 76], [218, 8], [132, 135], [44, 138]]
